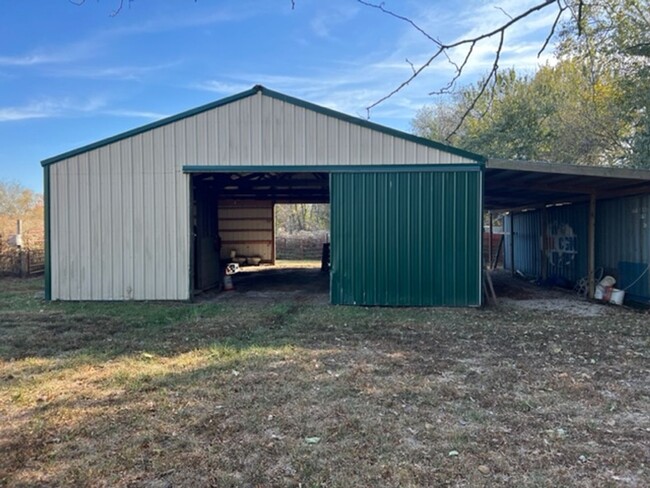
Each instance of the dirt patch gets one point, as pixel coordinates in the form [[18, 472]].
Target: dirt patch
[[294, 281], [571, 306]]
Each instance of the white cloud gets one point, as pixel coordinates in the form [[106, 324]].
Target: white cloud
[[50, 108], [123, 73], [28, 60], [31, 111], [325, 21], [136, 114], [222, 87]]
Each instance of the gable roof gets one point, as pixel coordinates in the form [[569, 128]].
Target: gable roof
[[278, 96]]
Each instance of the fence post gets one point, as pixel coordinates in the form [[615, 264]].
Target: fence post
[[23, 258]]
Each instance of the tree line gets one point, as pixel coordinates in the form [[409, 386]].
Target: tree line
[[589, 107]]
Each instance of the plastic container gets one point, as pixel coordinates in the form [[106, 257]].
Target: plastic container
[[609, 295], [617, 296]]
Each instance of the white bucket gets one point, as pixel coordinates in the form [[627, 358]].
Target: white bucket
[[608, 294], [617, 296], [227, 283]]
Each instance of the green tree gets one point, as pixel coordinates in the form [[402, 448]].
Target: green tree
[[299, 217], [563, 113], [616, 39]]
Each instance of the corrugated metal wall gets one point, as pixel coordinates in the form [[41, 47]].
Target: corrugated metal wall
[[246, 226], [406, 239], [527, 253], [566, 242], [119, 224], [261, 130], [622, 242], [119, 213]]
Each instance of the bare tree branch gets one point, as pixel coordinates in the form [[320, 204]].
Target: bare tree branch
[[491, 78], [504, 12], [561, 9], [381, 7], [444, 50], [118, 9]]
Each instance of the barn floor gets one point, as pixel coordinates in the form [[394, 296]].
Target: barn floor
[[300, 281], [520, 294], [303, 282]]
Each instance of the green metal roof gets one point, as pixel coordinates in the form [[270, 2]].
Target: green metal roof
[[278, 96]]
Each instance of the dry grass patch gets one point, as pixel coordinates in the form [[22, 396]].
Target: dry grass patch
[[308, 395]]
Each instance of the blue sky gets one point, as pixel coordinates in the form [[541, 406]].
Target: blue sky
[[71, 75]]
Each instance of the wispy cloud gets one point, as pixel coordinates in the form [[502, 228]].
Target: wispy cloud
[[325, 21], [168, 23], [36, 110], [221, 87], [136, 114], [50, 108], [29, 60], [123, 73]]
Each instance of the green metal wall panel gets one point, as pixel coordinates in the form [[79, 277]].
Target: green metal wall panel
[[406, 239]]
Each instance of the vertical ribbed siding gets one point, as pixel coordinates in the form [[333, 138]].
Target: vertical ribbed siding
[[623, 243], [569, 256], [243, 225], [566, 242], [527, 238], [406, 239], [261, 130], [119, 223]]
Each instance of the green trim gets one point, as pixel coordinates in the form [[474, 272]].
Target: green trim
[[278, 96], [358, 168], [48, 240]]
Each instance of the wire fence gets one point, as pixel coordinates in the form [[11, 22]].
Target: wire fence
[[300, 245]]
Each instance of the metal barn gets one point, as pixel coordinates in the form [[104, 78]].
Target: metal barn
[[148, 214]]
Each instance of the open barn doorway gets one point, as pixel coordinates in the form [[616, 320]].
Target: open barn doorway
[[248, 222]]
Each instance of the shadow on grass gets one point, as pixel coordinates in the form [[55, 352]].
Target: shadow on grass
[[224, 394], [33, 328]]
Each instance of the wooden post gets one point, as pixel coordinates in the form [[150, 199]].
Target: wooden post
[[490, 250], [512, 243], [591, 245], [543, 249], [24, 263]]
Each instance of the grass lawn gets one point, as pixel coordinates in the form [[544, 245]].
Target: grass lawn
[[290, 394]]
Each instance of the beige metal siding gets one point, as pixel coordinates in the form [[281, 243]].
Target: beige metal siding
[[119, 223], [119, 213], [264, 131], [247, 228]]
